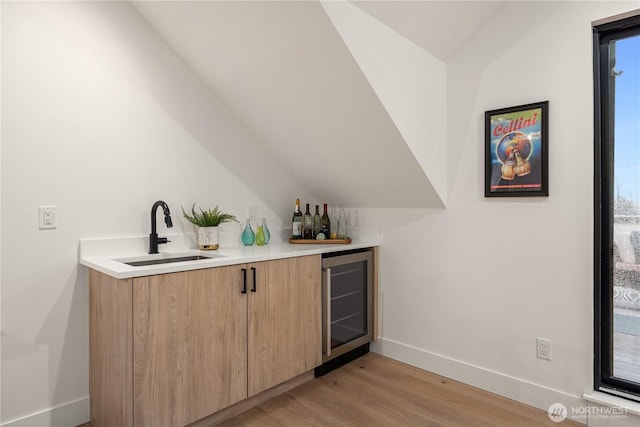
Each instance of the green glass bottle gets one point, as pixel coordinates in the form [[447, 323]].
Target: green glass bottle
[[260, 237]]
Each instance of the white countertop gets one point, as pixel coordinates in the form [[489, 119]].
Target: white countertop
[[102, 254]]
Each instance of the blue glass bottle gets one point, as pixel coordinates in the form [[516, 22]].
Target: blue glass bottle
[[267, 235], [248, 236]]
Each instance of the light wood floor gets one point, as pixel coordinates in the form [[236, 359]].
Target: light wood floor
[[377, 391]]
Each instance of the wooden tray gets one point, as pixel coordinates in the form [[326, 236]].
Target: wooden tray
[[314, 241]]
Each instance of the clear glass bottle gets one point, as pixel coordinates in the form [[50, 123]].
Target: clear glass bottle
[[248, 236], [354, 226], [265, 229], [317, 222], [333, 226], [307, 225], [342, 224]]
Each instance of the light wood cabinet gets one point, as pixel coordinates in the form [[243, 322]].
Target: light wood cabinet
[[189, 345], [285, 315], [182, 346]]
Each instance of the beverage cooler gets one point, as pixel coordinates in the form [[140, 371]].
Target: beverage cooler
[[347, 283]]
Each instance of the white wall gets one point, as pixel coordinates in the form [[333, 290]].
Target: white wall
[[101, 119], [465, 291]]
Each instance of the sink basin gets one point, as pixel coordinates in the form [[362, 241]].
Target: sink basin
[[164, 259]]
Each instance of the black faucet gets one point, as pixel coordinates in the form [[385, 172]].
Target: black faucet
[[154, 240]]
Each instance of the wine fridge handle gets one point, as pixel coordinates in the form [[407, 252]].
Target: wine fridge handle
[[244, 280], [326, 312]]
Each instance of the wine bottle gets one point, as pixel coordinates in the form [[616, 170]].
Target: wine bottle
[[307, 225], [297, 221], [317, 223], [325, 223]]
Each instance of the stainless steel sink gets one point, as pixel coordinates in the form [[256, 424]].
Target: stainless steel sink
[[165, 259]]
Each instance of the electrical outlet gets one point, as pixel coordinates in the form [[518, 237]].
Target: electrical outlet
[[47, 217], [543, 348], [251, 213]]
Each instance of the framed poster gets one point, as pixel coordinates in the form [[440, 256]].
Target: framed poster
[[516, 157]]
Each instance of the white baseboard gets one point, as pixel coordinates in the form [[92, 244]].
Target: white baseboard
[[70, 414], [531, 394]]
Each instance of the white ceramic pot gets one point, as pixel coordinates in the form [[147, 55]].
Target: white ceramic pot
[[208, 238]]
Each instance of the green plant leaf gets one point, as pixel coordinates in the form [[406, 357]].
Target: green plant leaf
[[209, 218]]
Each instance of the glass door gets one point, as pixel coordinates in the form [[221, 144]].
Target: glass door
[[347, 283], [624, 125], [348, 302], [617, 207]]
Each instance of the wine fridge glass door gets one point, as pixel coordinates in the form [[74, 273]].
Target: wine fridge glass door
[[347, 287], [348, 303]]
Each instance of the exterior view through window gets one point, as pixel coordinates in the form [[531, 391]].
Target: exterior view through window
[[617, 228], [626, 209]]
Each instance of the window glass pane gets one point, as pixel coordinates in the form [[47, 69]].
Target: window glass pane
[[625, 93]]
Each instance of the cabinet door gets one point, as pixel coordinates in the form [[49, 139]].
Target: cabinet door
[[189, 343], [285, 331]]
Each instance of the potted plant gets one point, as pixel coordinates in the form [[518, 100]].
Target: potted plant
[[207, 223]]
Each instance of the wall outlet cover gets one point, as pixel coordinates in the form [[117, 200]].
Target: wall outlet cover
[[47, 218], [543, 348]]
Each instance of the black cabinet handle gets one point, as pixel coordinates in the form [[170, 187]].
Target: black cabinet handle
[[253, 286], [244, 280]]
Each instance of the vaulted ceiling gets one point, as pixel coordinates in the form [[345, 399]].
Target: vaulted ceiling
[[439, 27], [288, 71]]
